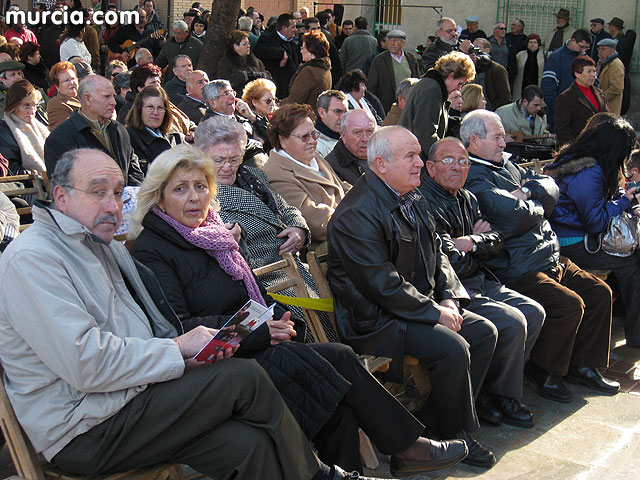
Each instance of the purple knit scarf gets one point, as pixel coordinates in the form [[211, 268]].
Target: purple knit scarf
[[214, 238]]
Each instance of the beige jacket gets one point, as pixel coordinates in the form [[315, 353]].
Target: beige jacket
[[611, 82], [76, 347], [316, 196]]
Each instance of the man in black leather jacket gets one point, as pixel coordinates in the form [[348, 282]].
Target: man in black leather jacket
[[395, 292], [467, 239], [574, 341]]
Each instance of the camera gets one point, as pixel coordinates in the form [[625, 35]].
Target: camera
[[483, 61]]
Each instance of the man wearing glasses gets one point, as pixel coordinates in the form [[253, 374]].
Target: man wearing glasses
[[499, 47], [446, 42], [467, 239], [331, 106], [396, 293], [221, 100], [597, 33], [557, 76]]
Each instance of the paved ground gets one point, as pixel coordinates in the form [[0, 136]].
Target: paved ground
[[594, 437]]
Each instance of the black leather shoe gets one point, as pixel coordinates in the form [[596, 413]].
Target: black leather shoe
[[513, 412], [486, 410], [548, 385], [592, 378], [479, 455], [340, 474], [443, 455]]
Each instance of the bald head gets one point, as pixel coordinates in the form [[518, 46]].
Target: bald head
[[195, 81]]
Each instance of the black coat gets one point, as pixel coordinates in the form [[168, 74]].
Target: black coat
[[270, 48], [201, 293], [240, 70], [455, 216], [176, 90], [76, 133], [377, 281], [148, 146], [193, 108], [530, 245], [37, 74], [344, 163], [382, 82], [10, 150]]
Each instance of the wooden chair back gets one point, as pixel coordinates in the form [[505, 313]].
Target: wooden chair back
[[296, 282], [29, 466], [37, 179]]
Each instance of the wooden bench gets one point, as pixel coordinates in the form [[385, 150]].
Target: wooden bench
[[37, 180]]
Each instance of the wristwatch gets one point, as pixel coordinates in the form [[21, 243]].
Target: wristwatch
[[526, 191]]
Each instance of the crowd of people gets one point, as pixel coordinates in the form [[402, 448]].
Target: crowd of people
[[311, 134]]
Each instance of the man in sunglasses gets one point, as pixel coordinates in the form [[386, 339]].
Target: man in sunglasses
[[499, 47], [467, 238]]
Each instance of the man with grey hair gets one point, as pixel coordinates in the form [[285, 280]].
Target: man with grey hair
[[349, 157], [574, 340], [193, 104], [331, 106], [176, 88], [499, 47], [89, 308], [402, 93], [143, 57], [92, 127], [390, 67], [467, 239], [180, 44], [221, 100], [245, 24], [396, 294], [446, 42]]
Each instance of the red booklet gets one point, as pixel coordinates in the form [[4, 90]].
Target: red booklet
[[243, 322]]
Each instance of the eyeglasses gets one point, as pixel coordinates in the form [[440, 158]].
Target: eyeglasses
[[243, 44], [228, 93], [501, 28], [152, 109], [307, 136], [267, 101], [27, 106], [233, 162], [338, 111], [100, 196], [463, 162]]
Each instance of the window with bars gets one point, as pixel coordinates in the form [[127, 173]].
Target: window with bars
[[388, 14], [539, 16]]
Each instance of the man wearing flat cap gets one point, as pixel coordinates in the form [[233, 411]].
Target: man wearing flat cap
[[557, 36], [391, 67], [472, 31], [616, 26], [610, 71], [10, 73], [597, 33]]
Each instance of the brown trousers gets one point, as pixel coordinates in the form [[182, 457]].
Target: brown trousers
[[577, 329]]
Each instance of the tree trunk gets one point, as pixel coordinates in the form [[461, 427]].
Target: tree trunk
[[224, 19]]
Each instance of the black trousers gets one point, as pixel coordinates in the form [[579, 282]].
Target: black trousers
[[627, 272], [368, 405], [226, 421], [577, 330], [457, 363]]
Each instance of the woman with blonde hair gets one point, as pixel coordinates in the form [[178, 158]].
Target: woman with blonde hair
[[260, 95], [472, 98], [198, 263]]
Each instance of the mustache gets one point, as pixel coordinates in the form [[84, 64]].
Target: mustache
[[108, 218]]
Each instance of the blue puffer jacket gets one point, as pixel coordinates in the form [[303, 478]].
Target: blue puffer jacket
[[582, 207]]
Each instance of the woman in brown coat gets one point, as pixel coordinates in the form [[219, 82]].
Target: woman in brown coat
[[314, 74], [578, 103], [303, 178]]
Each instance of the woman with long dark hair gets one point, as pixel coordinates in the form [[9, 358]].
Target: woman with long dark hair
[[589, 174]]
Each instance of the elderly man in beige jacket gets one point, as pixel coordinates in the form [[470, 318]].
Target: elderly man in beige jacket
[[610, 70]]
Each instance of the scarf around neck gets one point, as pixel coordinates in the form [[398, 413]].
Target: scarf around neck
[[30, 138], [214, 238]]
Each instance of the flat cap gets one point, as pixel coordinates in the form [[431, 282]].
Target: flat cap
[[11, 65], [597, 20], [608, 42], [471, 19], [397, 34]]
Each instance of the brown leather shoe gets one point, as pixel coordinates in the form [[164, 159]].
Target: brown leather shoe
[[443, 455]]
